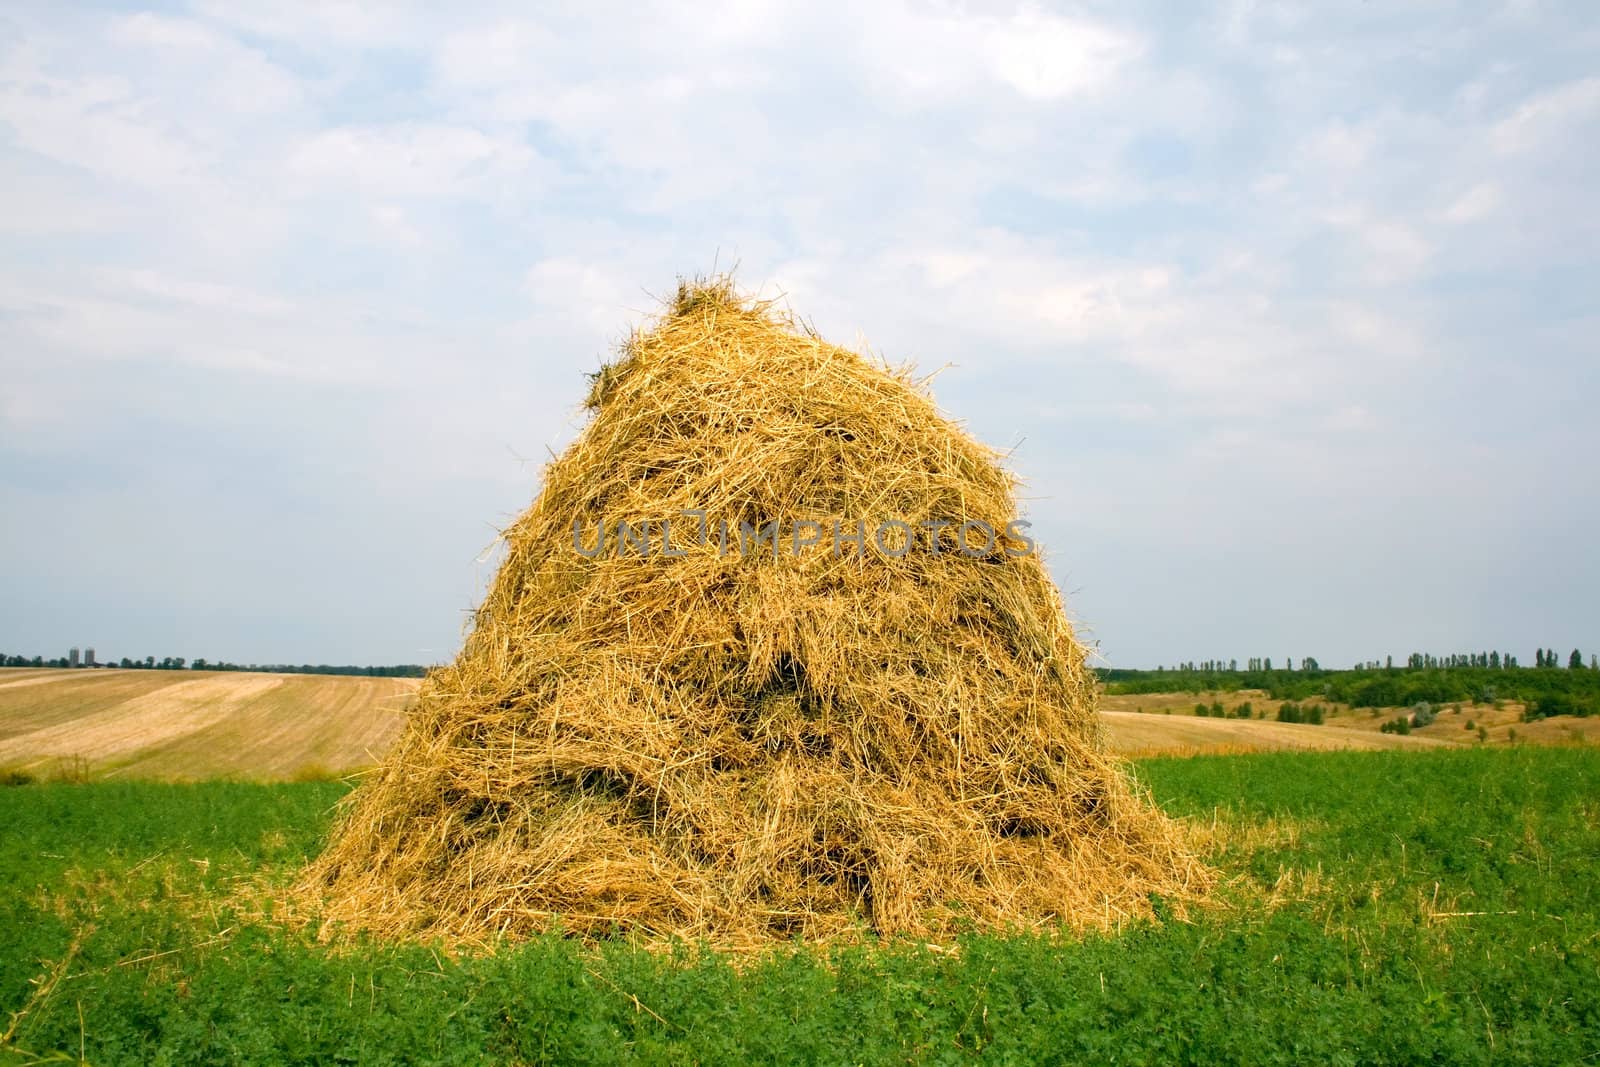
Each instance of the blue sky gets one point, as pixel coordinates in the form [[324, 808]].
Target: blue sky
[[1289, 311]]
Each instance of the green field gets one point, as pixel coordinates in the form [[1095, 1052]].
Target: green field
[[1378, 907]]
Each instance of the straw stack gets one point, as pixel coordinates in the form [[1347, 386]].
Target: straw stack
[[793, 740]]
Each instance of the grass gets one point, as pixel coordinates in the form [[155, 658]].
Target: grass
[[1380, 907]]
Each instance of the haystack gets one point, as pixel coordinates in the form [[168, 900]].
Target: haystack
[[756, 724]]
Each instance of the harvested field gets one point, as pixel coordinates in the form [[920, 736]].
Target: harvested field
[[1151, 723], [310, 725], [1152, 734], [196, 724]]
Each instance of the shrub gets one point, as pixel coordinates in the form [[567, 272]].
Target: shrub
[[1556, 704], [1423, 713]]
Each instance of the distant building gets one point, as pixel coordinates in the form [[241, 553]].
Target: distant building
[[88, 657], [72, 658]]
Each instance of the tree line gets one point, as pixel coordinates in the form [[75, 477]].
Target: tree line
[[1546, 688], [179, 663]]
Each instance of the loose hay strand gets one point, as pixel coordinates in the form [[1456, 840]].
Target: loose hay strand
[[750, 749]]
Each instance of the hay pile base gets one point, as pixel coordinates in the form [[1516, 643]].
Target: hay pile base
[[748, 748]]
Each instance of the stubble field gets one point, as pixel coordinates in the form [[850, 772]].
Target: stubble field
[[194, 725]]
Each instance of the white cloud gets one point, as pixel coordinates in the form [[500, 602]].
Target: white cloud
[[237, 80], [1342, 146], [1047, 57], [1351, 418], [394, 226], [1395, 251], [1548, 117], [585, 295], [932, 53], [202, 294], [1474, 204], [96, 124], [340, 25], [409, 160]]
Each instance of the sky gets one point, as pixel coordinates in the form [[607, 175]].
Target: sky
[[1286, 313]]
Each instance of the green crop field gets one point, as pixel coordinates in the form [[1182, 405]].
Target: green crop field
[[1377, 907]]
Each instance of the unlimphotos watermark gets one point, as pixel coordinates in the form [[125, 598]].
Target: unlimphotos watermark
[[671, 538]]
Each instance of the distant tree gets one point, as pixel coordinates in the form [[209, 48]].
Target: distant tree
[[1266, 664], [1575, 662], [149, 663], [1388, 663], [1494, 661], [1594, 663]]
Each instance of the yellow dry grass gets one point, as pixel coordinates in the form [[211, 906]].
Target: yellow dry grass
[[744, 749], [197, 724], [1163, 723], [1156, 734]]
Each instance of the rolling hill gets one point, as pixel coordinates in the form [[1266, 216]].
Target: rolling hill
[[203, 724]]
